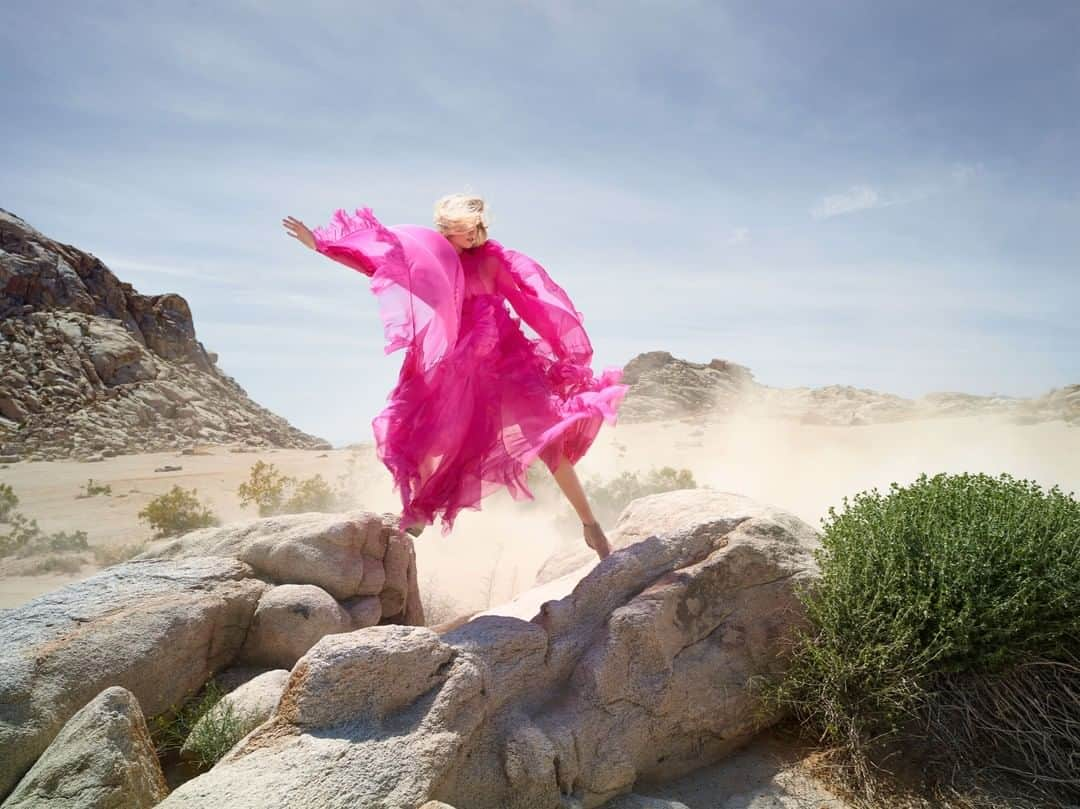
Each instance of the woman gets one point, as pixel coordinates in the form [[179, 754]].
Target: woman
[[476, 401]]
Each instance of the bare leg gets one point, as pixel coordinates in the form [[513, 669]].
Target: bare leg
[[567, 478], [568, 481]]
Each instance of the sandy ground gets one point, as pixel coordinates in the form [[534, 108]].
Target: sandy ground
[[769, 773], [493, 554]]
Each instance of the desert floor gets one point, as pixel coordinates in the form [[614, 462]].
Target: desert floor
[[493, 554]]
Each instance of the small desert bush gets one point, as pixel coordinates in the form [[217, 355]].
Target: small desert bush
[[54, 563], [106, 555], [207, 741], [274, 493], [8, 502], [312, 494], [21, 536], [609, 498], [177, 512], [91, 489], [947, 620]]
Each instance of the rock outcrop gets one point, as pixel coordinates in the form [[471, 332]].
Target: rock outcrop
[[659, 514], [161, 625], [160, 629], [665, 387], [103, 758], [288, 621], [352, 557], [90, 368], [642, 670]]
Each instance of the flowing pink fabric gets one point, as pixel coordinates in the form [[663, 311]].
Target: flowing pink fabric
[[477, 401]]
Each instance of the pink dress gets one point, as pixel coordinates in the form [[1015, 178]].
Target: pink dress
[[477, 401]]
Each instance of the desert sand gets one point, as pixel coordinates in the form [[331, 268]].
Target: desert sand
[[494, 554]]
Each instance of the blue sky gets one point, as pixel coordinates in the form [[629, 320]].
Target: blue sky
[[879, 195]]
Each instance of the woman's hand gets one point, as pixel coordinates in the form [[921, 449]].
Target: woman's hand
[[298, 230]]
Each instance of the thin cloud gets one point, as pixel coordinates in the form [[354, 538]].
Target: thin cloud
[[127, 268], [866, 197], [856, 198]]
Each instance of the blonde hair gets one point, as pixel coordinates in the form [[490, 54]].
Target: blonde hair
[[460, 213]]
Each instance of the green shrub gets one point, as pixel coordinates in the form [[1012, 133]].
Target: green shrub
[[944, 586], [91, 489], [274, 493], [57, 542], [609, 498], [207, 741], [8, 502], [54, 563], [313, 494], [177, 512], [21, 536], [106, 555], [265, 488]]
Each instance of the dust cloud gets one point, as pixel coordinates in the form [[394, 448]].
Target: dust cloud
[[495, 553]]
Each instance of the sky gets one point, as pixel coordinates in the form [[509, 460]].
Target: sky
[[874, 194]]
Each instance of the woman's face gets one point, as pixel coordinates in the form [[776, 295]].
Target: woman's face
[[462, 239]]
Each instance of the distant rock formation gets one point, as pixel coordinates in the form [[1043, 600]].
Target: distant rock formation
[[88, 366], [665, 387]]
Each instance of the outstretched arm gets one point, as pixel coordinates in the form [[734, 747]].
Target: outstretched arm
[[299, 231], [357, 240], [419, 298]]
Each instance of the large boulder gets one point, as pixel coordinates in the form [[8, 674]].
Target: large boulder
[[117, 357], [158, 628], [288, 621], [102, 759], [347, 555], [658, 514], [641, 671]]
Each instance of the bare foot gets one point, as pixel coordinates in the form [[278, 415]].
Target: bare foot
[[595, 539]]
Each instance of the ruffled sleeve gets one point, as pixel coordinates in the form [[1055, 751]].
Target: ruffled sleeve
[[415, 275], [543, 304], [358, 240]]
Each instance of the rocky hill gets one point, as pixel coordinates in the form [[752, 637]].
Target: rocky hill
[[665, 387], [90, 367]]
